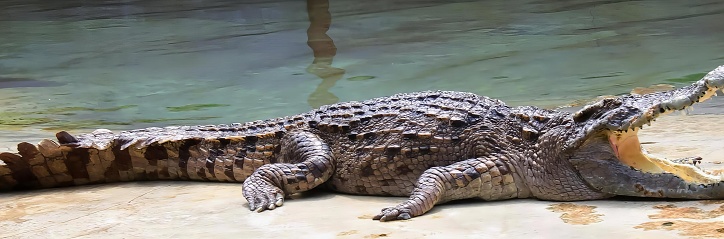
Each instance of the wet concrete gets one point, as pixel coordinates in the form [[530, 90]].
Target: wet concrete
[[193, 209]]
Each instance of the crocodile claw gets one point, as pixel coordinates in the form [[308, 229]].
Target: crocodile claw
[[263, 196], [393, 213]]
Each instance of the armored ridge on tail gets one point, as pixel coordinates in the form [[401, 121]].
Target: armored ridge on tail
[[432, 146], [203, 153]]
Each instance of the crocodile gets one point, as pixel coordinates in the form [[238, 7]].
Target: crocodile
[[432, 147]]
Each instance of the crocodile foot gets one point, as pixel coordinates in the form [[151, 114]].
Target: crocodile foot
[[399, 212], [262, 195]]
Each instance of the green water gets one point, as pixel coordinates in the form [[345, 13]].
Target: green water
[[82, 65]]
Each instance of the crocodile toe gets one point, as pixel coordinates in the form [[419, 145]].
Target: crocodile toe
[[263, 196], [393, 213]]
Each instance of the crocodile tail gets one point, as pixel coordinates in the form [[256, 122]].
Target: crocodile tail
[[76, 162]]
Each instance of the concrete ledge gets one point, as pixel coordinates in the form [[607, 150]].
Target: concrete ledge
[[206, 210]]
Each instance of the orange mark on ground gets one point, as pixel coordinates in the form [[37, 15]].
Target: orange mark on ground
[[694, 229], [576, 214], [377, 235], [16, 210], [710, 202], [671, 211], [366, 216], [347, 233], [687, 228]]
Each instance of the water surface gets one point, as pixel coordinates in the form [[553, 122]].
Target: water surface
[[125, 64]]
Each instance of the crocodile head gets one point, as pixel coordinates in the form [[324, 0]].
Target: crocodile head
[[604, 147]]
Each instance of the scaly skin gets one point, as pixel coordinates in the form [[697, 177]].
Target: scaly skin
[[433, 147]]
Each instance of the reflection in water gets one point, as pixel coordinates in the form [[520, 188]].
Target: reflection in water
[[324, 51]]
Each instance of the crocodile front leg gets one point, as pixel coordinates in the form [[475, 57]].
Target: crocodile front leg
[[310, 164], [489, 179]]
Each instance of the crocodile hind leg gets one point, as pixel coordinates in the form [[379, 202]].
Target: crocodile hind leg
[[309, 165], [489, 179]]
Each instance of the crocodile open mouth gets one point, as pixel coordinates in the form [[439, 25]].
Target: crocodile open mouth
[[628, 150], [609, 157]]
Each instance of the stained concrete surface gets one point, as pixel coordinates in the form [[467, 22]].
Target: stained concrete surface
[[98, 58], [204, 210]]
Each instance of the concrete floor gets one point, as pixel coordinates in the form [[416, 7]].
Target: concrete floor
[[196, 210], [112, 67]]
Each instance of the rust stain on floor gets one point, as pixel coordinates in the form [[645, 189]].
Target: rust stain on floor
[[377, 235], [16, 210], [670, 211], [14, 213], [710, 202], [576, 214], [347, 233], [694, 229], [687, 228], [366, 216]]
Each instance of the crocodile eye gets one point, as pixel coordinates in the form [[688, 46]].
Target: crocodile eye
[[457, 122], [596, 109], [588, 111]]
